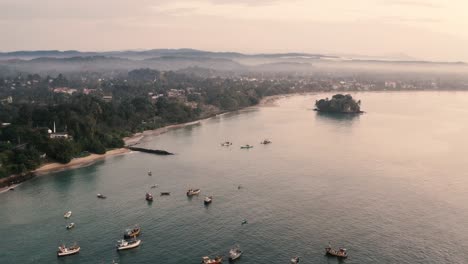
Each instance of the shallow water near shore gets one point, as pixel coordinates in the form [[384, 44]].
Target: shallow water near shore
[[389, 185]]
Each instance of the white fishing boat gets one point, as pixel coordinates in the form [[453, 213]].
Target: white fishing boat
[[67, 214], [101, 196], [64, 251], [208, 200], [125, 244], [70, 225], [191, 192], [235, 253], [295, 260]]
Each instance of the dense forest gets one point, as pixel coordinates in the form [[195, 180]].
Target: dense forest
[[97, 113]]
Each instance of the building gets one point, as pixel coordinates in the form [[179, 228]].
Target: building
[[64, 90], [54, 134], [107, 98]]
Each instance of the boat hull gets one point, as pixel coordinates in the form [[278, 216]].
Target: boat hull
[[134, 245], [68, 253]]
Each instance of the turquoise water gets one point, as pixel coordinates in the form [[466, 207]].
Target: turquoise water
[[389, 185]]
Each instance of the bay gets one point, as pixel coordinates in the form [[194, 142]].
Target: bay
[[389, 185]]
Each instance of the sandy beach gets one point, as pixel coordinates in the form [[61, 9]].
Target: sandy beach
[[136, 138]]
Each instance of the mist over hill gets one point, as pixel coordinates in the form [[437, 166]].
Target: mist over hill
[[54, 61]]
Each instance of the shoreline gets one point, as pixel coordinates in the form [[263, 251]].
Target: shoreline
[[268, 101]]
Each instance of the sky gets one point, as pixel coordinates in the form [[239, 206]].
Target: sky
[[421, 29]]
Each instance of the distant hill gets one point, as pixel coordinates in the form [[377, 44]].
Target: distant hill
[[55, 61]]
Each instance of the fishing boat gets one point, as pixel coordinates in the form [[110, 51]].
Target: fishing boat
[[244, 222], [239, 187], [101, 196], [208, 200], [165, 193], [64, 251], [226, 144], [207, 260], [150, 173], [70, 225], [246, 146], [295, 260], [191, 192], [235, 253], [125, 244], [265, 142], [154, 186], [133, 232], [340, 253], [67, 214], [149, 197]]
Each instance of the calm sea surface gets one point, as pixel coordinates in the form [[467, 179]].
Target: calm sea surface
[[390, 185]]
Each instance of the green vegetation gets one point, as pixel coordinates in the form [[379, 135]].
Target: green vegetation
[[339, 104], [139, 100]]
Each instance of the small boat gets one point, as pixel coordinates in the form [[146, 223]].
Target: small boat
[[235, 253], [149, 197], [64, 251], [239, 187], [295, 260], [226, 144], [70, 225], [246, 146], [165, 193], [192, 192], [11, 189], [150, 173], [154, 186], [125, 244], [244, 222], [101, 196], [67, 214], [265, 142], [134, 232], [340, 253], [208, 200], [207, 260]]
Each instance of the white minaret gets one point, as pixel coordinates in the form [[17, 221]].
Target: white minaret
[[54, 128]]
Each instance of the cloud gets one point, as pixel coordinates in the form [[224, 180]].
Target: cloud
[[411, 3]]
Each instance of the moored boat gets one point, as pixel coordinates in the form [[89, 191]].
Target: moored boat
[[67, 214], [150, 173], [70, 225], [226, 144], [235, 253], [295, 260], [340, 253], [244, 222], [154, 186], [246, 146], [265, 142], [101, 196], [208, 200], [149, 197], [165, 193], [191, 192], [207, 260], [64, 251], [125, 244], [133, 232]]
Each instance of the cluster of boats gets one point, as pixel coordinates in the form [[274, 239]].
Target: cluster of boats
[[234, 254], [247, 146], [128, 242]]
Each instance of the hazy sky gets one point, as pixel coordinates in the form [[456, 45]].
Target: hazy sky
[[425, 29]]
